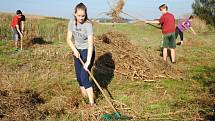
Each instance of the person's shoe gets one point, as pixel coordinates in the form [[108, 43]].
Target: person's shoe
[[173, 62], [182, 42], [178, 43]]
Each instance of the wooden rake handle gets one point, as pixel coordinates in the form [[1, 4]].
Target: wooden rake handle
[[97, 84], [21, 43]]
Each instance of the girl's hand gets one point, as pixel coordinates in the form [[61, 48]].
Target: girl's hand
[[76, 53], [86, 65]]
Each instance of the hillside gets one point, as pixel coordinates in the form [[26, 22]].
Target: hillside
[[39, 83]]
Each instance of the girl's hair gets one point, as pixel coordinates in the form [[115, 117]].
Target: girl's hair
[[191, 17], [82, 7], [163, 6]]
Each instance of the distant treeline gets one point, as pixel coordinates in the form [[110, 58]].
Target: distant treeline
[[109, 20]]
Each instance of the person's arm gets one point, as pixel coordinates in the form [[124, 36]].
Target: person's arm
[[20, 33], [23, 26], [90, 46], [72, 46], [183, 24], [191, 28], [89, 51], [152, 21]]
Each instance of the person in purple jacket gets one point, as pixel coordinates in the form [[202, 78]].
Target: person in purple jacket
[[182, 26]]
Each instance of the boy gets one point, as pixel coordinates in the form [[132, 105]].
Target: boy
[[167, 22]]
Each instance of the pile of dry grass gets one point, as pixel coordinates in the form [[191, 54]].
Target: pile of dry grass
[[123, 57]]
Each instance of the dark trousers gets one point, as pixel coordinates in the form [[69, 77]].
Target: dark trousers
[[178, 31], [81, 74]]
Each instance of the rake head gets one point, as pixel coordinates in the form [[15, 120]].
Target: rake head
[[114, 116]]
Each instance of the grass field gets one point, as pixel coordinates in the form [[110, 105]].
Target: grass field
[[47, 70]]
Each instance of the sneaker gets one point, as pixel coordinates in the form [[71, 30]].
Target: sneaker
[[179, 43]]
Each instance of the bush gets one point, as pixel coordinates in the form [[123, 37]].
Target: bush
[[199, 25], [205, 10]]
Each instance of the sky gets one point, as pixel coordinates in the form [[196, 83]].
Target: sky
[[142, 9]]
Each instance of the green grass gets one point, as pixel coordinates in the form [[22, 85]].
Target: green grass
[[138, 34]]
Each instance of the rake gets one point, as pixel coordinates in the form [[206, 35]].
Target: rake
[[21, 42], [115, 115]]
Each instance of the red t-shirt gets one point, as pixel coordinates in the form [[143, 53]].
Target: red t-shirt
[[15, 21], [167, 22]]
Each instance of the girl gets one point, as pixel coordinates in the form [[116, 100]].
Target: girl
[[182, 26], [81, 30]]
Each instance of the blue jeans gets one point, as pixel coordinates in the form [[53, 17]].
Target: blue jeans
[[81, 74]]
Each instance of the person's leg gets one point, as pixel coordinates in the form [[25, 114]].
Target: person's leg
[[165, 54], [181, 36], [172, 46], [90, 95], [85, 79], [90, 89], [15, 37], [78, 68], [176, 32], [172, 55], [165, 47], [16, 44], [16, 40], [83, 91]]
